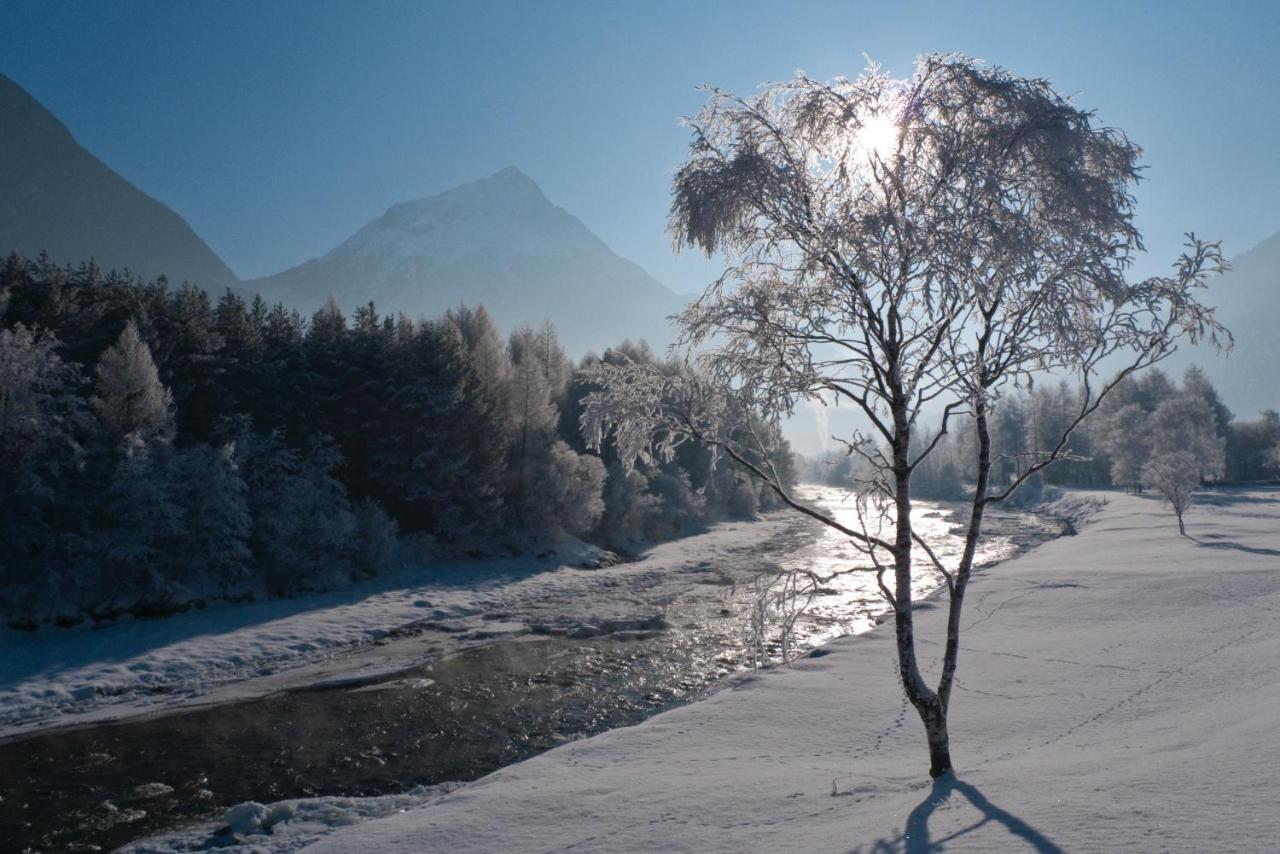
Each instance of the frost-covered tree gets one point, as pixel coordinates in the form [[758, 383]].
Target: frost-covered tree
[[566, 493], [1127, 438], [903, 245], [533, 409], [215, 505], [1186, 450], [423, 454], [303, 527], [41, 414], [628, 508], [145, 524], [128, 395], [1195, 383], [542, 345], [1252, 447]]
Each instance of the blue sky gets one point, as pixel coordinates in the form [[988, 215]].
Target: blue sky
[[279, 128]]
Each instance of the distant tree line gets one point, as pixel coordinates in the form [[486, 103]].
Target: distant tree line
[[1149, 434], [160, 448]]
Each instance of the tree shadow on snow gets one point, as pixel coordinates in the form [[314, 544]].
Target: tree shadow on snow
[[1226, 496], [1253, 550], [915, 837]]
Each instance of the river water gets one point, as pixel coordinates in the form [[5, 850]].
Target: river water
[[463, 716]]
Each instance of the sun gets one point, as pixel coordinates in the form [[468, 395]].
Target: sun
[[878, 136]]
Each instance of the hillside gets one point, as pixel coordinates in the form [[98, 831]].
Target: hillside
[[58, 198], [1247, 302]]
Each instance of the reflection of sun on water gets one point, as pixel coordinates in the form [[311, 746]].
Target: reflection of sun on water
[[851, 602], [879, 136]]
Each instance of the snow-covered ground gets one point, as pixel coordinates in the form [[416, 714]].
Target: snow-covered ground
[[1117, 692], [236, 651]]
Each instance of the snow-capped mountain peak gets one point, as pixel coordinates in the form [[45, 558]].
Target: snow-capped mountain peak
[[499, 242]]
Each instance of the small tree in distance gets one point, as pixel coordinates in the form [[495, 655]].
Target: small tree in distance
[[1186, 451], [902, 245]]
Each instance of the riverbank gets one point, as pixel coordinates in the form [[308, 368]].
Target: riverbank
[[1114, 693], [60, 678], [57, 678]]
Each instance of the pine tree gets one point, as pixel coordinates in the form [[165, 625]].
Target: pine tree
[[41, 417], [128, 396], [217, 524], [140, 542]]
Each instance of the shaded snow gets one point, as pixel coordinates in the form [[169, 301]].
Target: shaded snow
[[286, 825], [1116, 692]]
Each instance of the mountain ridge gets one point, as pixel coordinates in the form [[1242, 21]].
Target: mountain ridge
[[59, 198]]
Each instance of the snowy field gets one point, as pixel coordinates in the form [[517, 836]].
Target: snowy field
[[1117, 692], [232, 652]]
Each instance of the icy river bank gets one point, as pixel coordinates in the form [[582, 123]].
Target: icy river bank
[[495, 672]]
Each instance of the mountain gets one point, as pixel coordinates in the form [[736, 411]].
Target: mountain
[[58, 198], [497, 242], [1248, 301]]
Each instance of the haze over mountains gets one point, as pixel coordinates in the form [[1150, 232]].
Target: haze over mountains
[[1248, 301], [497, 241]]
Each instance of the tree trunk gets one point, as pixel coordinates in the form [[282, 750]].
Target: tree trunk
[[935, 727], [926, 702], [960, 583]]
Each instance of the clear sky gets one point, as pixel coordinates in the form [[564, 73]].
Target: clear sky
[[278, 128]]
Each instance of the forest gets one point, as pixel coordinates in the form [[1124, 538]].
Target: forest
[[163, 449], [1147, 421]]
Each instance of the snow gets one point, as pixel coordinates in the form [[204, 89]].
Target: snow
[[1116, 692], [361, 634], [286, 825]]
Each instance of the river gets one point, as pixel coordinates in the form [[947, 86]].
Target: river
[[458, 717]]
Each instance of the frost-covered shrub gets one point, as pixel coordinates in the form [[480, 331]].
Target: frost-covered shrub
[[678, 510], [375, 538], [572, 489], [303, 526], [743, 499], [628, 506]]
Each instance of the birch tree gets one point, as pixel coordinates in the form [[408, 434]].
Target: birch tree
[[1186, 450], [903, 247]]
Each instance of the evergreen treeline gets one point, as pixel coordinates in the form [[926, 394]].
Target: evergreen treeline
[[159, 448], [1145, 420]]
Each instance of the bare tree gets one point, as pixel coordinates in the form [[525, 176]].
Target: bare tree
[[1186, 451], [904, 247]]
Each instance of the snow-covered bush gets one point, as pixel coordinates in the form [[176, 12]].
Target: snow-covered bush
[[375, 538]]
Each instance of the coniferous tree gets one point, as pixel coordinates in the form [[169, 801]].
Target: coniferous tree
[[216, 521], [128, 395]]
